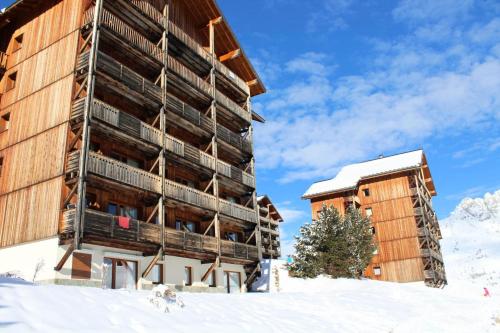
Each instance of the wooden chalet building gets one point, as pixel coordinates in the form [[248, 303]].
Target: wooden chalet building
[[126, 152], [395, 192]]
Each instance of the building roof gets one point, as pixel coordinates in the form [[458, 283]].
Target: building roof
[[203, 11], [349, 176]]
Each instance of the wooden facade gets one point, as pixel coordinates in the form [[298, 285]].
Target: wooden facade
[[128, 108], [404, 223]]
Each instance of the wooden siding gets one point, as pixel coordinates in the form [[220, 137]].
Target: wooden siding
[[39, 104], [38, 112], [45, 154], [31, 213]]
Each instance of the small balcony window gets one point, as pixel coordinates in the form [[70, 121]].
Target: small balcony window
[[18, 42], [185, 226], [377, 271], [366, 192], [4, 122], [10, 82], [232, 236], [368, 212]]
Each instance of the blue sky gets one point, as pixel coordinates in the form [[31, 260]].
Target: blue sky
[[349, 80]]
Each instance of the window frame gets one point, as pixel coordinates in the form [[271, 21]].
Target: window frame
[[190, 275], [375, 269], [4, 122], [18, 42], [368, 209], [366, 192], [11, 81], [160, 270]]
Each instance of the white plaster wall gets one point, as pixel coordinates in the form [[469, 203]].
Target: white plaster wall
[[23, 258]]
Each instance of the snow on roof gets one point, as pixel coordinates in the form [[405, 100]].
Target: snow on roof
[[350, 175]]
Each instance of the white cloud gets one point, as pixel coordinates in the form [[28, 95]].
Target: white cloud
[[413, 91], [331, 16], [425, 10]]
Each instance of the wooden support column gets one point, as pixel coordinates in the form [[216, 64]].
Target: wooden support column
[[213, 111], [258, 235], [87, 117], [163, 128]]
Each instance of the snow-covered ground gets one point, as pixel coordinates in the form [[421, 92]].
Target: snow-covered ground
[[319, 305]]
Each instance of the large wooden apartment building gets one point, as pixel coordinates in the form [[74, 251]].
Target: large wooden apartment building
[[126, 145], [395, 193]]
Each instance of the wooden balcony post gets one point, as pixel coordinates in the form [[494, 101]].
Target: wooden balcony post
[[82, 173], [163, 127]]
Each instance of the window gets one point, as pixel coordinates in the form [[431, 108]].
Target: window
[[11, 81], [4, 122], [119, 273], [18, 42], [366, 192], [156, 274], [232, 282], [185, 226], [232, 236], [373, 230], [231, 199], [377, 271], [122, 210], [211, 279], [368, 212], [188, 276], [1, 166]]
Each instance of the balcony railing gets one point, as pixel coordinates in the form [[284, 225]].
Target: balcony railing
[[190, 195], [431, 253], [234, 139], [269, 231], [237, 211], [235, 173], [239, 250], [153, 14], [112, 169], [232, 106], [99, 224], [434, 275], [190, 241], [268, 220]]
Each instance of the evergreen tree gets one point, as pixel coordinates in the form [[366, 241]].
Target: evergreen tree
[[333, 245]]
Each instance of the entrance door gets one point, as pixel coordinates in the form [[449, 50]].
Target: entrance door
[[232, 282], [120, 273]]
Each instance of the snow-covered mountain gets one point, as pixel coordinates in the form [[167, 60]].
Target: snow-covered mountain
[[471, 242]]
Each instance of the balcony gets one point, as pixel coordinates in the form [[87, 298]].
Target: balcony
[[132, 40], [237, 211], [239, 250], [236, 174], [269, 231], [190, 241], [434, 275], [117, 171], [235, 140], [268, 221], [102, 225], [431, 253], [190, 195], [155, 18]]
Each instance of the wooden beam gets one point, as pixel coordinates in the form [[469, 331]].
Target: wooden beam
[[251, 236], [230, 55], [210, 270], [74, 140], [64, 258], [152, 214], [152, 263], [209, 227], [70, 195], [249, 280], [252, 83], [214, 21]]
